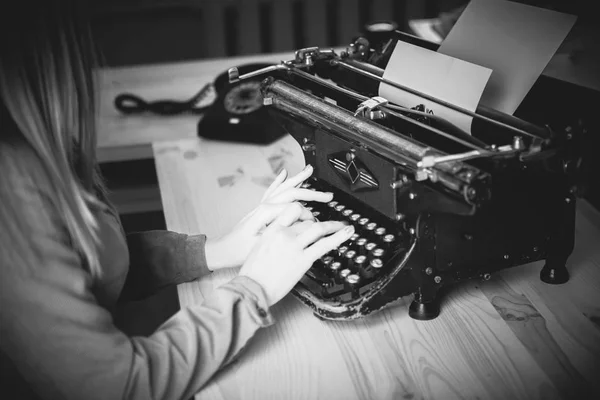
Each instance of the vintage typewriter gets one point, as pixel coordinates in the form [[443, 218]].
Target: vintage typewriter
[[432, 205]]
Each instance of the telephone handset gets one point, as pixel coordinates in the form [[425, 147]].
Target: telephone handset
[[237, 113]]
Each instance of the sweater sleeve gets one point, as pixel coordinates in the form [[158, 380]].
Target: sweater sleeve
[[162, 258], [66, 346]]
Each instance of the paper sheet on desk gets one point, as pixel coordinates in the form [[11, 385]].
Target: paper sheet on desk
[[437, 75], [515, 40]]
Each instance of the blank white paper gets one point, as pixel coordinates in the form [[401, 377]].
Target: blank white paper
[[437, 75], [515, 40]]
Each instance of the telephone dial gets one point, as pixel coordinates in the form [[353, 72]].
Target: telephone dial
[[237, 114]]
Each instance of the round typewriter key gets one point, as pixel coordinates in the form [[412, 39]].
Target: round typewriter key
[[332, 204], [347, 212], [342, 249], [380, 231], [378, 252], [339, 207], [309, 208], [354, 217], [363, 221], [305, 185], [370, 228], [360, 261], [353, 279], [370, 246], [344, 273], [354, 237], [360, 245], [389, 238], [335, 266], [350, 254], [316, 214], [327, 260], [376, 263]]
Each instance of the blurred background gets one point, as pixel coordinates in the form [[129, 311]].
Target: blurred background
[[146, 31]]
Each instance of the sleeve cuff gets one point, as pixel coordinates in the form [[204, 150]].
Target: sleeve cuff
[[196, 253], [250, 290]]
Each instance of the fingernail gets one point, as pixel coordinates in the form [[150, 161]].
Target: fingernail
[[282, 172], [308, 166], [349, 230]]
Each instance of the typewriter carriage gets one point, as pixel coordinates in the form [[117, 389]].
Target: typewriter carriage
[[470, 205]]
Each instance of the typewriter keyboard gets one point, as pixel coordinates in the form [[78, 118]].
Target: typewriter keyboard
[[352, 269]]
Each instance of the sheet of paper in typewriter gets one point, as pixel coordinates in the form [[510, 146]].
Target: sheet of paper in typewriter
[[437, 75], [516, 41]]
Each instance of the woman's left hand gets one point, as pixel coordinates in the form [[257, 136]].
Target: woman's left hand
[[232, 249]]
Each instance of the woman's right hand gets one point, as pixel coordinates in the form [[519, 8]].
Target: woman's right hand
[[288, 248]]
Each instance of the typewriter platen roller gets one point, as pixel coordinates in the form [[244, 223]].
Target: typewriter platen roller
[[431, 204]]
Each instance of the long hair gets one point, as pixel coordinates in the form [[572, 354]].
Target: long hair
[[47, 61]]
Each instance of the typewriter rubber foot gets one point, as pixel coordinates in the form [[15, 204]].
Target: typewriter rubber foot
[[554, 274], [424, 311]]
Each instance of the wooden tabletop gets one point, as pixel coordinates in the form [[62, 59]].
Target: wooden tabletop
[[512, 337]]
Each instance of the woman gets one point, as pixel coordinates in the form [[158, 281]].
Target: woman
[[65, 260]]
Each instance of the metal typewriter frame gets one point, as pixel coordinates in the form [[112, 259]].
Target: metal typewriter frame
[[525, 142]]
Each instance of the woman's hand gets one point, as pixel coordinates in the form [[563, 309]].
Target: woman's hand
[[232, 249], [288, 248]]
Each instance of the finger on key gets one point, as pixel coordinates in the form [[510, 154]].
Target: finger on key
[[326, 244], [319, 230], [292, 213], [297, 179], [297, 194]]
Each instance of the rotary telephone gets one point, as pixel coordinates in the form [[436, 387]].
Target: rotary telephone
[[237, 114]]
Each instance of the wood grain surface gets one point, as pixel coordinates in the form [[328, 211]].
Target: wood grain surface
[[512, 337]]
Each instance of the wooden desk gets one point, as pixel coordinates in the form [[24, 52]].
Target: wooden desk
[[127, 137], [512, 337]]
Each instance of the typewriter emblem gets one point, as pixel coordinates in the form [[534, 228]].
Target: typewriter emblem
[[352, 171]]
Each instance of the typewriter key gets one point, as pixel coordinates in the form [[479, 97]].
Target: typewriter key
[[351, 284], [389, 238], [380, 232], [378, 252], [360, 245], [376, 263], [350, 254], [332, 204], [354, 217], [339, 207], [309, 208], [342, 249], [370, 246], [335, 266], [327, 260], [363, 221], [316, 214], [370, 228], [344, 273], [359, 261], [347, 212], [305, 185], [354, 237]]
